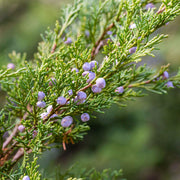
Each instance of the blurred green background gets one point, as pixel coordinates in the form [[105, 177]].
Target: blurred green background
[[143, 139]]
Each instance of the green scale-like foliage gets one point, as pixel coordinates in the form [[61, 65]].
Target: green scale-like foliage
[[87, 24]]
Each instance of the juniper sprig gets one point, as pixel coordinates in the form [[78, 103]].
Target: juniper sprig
[[87, 63]]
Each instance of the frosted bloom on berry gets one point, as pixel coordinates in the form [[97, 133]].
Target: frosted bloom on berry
[[11, 66], [132, 50], [49, 109], [93, 63], [70, 92], [79, 101], [120, 90], [109, 32], [92, 76], [21, 128], [81, 95], [68, 41], [165, 75], [85, 73], [66, 121], [96, 89], [44, 115], [169, 84], [54, 115], [41, 104], [86, 66], [26, 178], [61, 100], [132, 26], [41, 96], [101, 83], [85, 117], [149, 6], [75, 69]]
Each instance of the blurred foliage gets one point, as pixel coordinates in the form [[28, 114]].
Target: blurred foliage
[[142, 139]]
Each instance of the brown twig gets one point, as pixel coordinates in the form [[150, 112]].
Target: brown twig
[[94, 50], [161, 10]]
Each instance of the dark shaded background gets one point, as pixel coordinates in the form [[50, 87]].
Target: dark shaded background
[[143, 139]]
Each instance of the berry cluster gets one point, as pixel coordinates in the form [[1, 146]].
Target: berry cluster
[[100, 84]]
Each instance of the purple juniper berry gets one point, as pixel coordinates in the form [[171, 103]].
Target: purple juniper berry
[[41, 95], [85, 117], [132, 50], [49, 109], [150, 6], [26, 178], [119, 90], [132, 26], [101, 83], [68, 41], [109, 32], [75, 69], [41, 104], [96, 89], [93, 63], [66, 121], [86, 66], [61, 100], [11, 66], [81, 95], [165, 75], [169, 84], [70, 92], [21, 128]]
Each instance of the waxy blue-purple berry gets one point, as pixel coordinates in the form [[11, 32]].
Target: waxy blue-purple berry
[[101, 83], [66, 121], [85, 117], [79, 101], [85, 73], [49, 109], [169, 84], [26, 178], [61, 100], [92, 76], [93, 63], [70, 92], [68, 41], [41, 95], [21, 128], [81, 95], [150, 6], [132, 26], [10, 66], [41, 104], [165, 75], [132, 50], [120, 90], [54, 115], [86, 66], [96, 89], [75, 69], [109, 32], [44, 115]]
